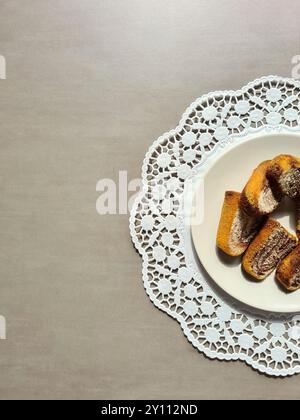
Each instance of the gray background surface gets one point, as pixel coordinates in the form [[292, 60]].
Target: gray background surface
[[90, 85]]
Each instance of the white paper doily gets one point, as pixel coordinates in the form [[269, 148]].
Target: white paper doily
[[214, 323]]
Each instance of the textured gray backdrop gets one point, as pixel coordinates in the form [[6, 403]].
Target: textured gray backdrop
[[91, 84]]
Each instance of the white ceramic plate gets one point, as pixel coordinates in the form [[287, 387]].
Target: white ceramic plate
[[230, 171]]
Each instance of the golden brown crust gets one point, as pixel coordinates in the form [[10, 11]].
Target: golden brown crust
[[283, 163], [288, 271], [259, 197], [260, 245], [236, 229], [229, 211]]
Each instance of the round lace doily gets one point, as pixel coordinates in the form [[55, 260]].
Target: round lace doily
[[214, 323]]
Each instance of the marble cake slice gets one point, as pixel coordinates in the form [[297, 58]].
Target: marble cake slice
[[288, 271], [260, 196], [269, 247], [284, 171], [236, 228]]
